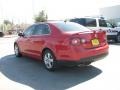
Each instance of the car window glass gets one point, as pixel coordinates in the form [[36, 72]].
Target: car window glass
[[45, 29], [70, 26], [118, 24], [90, 22], [41, 29], [102, 23], [38, 30], [109, 25], [29, 31], [80, 21]]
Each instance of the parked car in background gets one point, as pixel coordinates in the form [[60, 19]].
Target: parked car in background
[[61, 42], [97, 24], [117, 27], [1, 34]]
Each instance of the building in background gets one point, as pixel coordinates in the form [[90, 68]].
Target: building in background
[[111, 13]]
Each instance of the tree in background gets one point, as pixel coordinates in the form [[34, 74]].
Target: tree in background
[[6, 26], [41, 17], [6, 22]]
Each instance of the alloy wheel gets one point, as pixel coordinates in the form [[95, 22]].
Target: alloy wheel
[[16, 50]]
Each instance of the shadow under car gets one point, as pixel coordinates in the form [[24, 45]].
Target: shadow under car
[[32, 73]]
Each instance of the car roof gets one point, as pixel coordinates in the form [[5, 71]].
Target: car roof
[[89, 18], [50, 22]]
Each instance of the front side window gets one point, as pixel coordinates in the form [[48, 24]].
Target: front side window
[[109, 25], [29, 31], [70, 26], [102, 23], [45, 29], [38, 30]]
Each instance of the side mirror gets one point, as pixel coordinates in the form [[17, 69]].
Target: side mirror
[[21, 34]]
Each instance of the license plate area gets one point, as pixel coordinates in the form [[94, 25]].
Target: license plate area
[[95, 42]]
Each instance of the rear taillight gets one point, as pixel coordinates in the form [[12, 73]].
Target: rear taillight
[[83, 40], [77, 41]]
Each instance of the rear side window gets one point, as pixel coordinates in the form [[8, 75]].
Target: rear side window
[[90, 22], [70, 26], [38, 30], [79, 21]]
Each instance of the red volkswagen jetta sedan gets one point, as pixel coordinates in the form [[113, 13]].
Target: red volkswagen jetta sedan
[[57, 41]]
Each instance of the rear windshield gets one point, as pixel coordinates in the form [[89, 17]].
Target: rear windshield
[[70, 26], [88, 22]]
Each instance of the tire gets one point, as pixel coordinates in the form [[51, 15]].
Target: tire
[[118, 38], [17, 51], [49, 60], [85, 64], [1, 34]]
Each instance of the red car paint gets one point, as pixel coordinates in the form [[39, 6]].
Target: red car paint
[[61, 44]]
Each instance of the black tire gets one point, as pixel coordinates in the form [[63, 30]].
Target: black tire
[[17, 51], [118, 38], [1, 34], [85, 64], [49, 60]]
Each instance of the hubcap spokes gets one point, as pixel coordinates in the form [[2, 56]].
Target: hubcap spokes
[[16, 50], [48, 59]]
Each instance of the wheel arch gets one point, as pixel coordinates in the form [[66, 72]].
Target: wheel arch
[[46, 48]]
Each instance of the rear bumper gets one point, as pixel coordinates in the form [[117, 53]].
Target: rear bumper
[[84, 60], [78, 55], [94, 58], [111, 37]]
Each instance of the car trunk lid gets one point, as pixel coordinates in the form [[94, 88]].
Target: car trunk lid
[[93, 39]]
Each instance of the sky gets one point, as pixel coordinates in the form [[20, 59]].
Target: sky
[[23, 11]]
